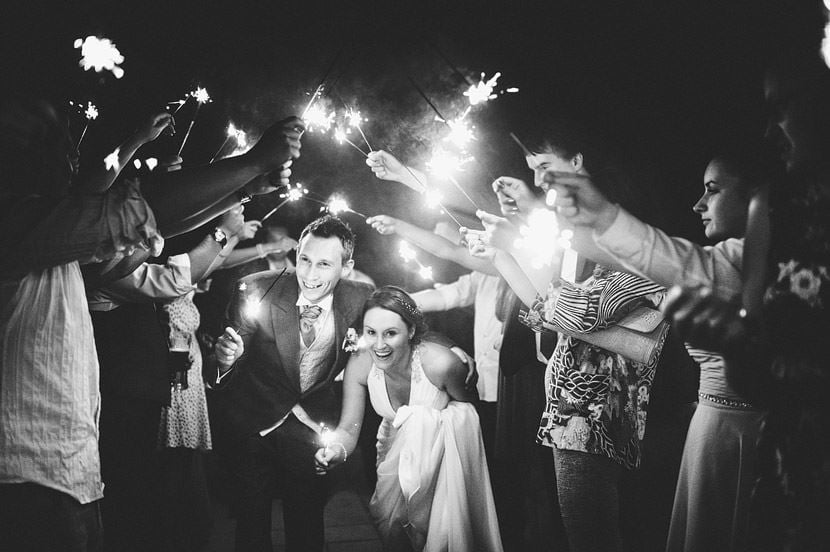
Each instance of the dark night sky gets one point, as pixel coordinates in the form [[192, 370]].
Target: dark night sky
[[670, 80]]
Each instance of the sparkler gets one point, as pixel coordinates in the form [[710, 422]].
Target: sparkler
[[443, 164], [318, 117], [252, 306], [337, 204], [408, 254], [353, 118], [90, 113], [340, 135], [540, 236], [99, 54], [202, 97], [239, 135], [461, 133], [294, 193], [483, 91], [433, 197], [525, 151]]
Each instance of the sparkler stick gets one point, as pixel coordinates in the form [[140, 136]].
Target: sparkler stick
[[293, 194], [186, 134], [341, 136], [408, 254], [202, 97], [460, 189], [252, 307], [521, 145], [424, 188]]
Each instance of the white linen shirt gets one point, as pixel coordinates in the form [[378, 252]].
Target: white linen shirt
[[480, 290]]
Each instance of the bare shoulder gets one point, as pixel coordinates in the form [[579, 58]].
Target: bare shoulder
[[440, 364], [357, 369]]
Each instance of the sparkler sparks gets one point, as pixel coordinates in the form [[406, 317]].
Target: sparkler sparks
[[540, 236], [293, 193], [461, 132], [443, 163], [340, 135], [200, 95], [408, 254], [318, 117], [99, 54], [353, 118], [338, 204], [433, 198], [91, 112], [484, 91]]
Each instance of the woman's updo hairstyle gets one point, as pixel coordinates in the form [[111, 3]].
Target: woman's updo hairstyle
[[393, 298]]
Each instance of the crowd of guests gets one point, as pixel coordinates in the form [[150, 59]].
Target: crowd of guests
[[636, 391]]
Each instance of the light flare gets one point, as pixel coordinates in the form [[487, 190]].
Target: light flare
[[540, 236], [444, 163], [318, 118], [100, 54], [433, 198], [406, 252]]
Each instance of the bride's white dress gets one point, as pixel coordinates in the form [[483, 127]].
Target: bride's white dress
[[433, 486]]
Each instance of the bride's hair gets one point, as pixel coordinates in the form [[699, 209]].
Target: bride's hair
[[393, 298]]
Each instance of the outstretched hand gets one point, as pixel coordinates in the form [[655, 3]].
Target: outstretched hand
[[384, 224], [499, 232], [580, 202], [515, 196], [387, 167], [279, 144], [152, 128]]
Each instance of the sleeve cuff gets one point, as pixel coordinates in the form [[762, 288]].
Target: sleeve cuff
[[624, 237]]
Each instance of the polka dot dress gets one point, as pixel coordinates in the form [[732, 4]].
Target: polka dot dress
[[185, 422]]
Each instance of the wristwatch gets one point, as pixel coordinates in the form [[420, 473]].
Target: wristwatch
[[220, 237]]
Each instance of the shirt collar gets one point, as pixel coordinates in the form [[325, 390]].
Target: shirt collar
[[325, 304]]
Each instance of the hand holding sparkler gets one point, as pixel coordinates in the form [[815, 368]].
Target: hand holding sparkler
[[155, 126], [498, 231], [516, 198], [387, 167], [579, 201], [279, 144], [383, 224], [229, 347], [333, 451]]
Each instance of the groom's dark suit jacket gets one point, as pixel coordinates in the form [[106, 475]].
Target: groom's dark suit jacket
[[264, 383]]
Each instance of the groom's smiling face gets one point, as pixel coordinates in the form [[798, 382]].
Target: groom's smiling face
[[320, 266]]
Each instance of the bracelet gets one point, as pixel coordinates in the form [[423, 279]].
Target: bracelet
[[345, 454], [243, 196], [261, 251]]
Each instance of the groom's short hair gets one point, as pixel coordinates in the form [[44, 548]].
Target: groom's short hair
[[328, 226]]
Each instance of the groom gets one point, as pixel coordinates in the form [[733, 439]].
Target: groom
[[277, 360]]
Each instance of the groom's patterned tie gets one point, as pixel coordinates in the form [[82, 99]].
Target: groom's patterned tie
[[308, 315]]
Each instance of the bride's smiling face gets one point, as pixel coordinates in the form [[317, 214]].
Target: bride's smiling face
[[387, 337]]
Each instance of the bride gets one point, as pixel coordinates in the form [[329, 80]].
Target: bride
[[433, 490]]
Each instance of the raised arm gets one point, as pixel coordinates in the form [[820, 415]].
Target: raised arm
[[430, 242], [181, 195], [104, 173]]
